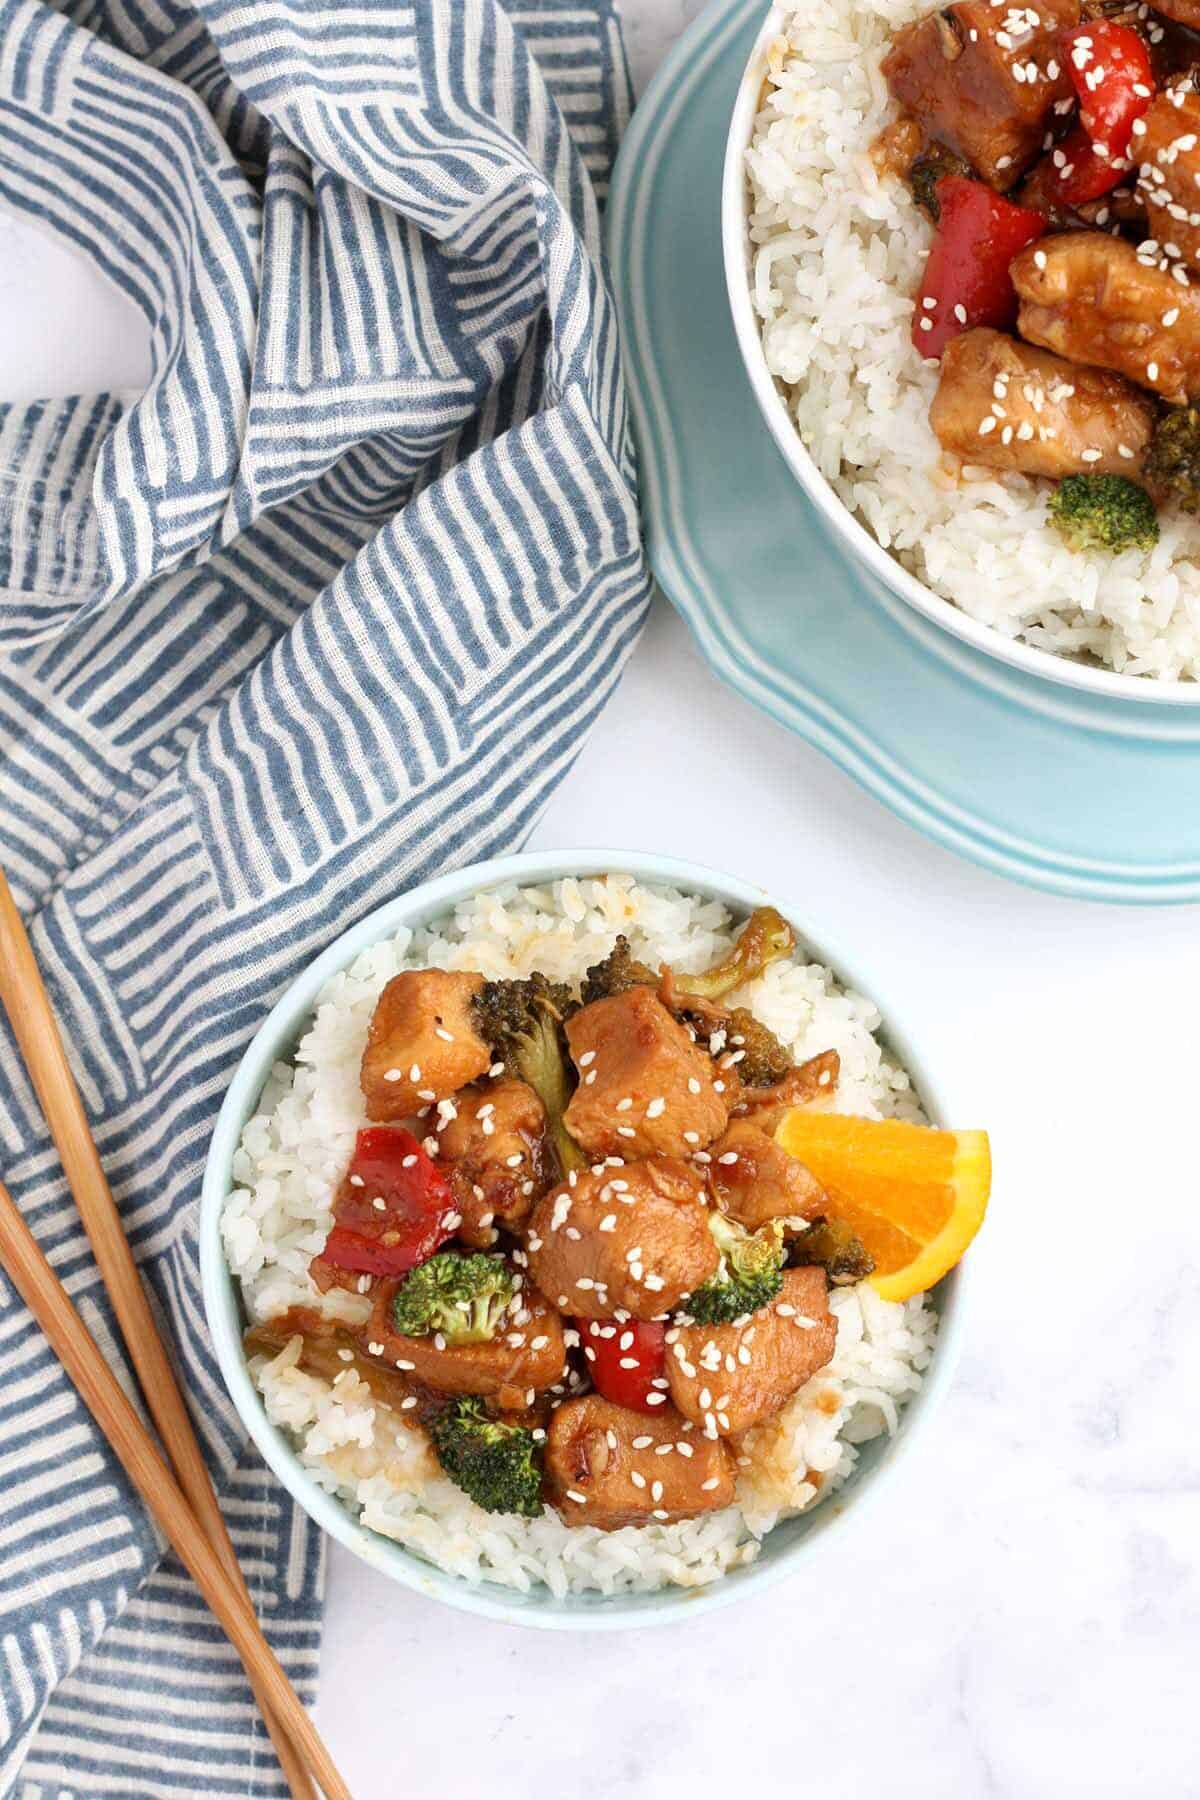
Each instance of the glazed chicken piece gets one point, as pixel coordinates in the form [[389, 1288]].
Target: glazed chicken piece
[[497, 1163], [1093, 299], [1183, 12], [329, 1351], [633, 1238], [602, 1466], [1168, 153], [1003, 405], [644, 1086], [421, 1045], [528, 1355], [984, 80], [754, 1181], [726, 1378]]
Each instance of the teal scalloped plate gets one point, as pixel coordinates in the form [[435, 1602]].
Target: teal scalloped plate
[[1083, 795]]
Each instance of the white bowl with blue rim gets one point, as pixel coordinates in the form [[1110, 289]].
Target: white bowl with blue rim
[[790, 1545], [875, 564]]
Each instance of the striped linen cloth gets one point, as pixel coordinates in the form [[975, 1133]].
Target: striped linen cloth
[[329, 608]]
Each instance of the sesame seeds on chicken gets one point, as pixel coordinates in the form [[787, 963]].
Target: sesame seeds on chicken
[[984, 79], [1003, 404], [1100, 301], [645, 1085]]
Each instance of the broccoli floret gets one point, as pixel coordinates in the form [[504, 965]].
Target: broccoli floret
[[831, 1245], [499, 1466], [616, 974], [521, 1022], [1172, 465], [463, 1297], [764, 1060], [763, 939], [1104, 512], [926, 170], [750, 1276]]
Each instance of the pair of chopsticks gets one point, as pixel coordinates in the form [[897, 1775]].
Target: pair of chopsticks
[[181, 1498]]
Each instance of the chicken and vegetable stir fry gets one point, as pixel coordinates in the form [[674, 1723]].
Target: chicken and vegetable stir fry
[[591, 1268], [1056, 147]]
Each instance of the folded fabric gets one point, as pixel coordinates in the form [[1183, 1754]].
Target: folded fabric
[[330, 607]]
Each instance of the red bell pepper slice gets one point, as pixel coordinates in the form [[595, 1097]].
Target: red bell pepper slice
[[625, 1360], [966, 281], [1110, 69], [1075, 174], [416, 1216], [1111, 72]]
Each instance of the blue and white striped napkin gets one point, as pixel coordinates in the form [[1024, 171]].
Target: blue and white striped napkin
[[329, 608]]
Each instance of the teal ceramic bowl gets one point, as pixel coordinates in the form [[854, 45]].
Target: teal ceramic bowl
[[790, 1546]]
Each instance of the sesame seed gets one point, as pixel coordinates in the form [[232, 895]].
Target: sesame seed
[[656, 1107], [379, 1205], [626, 1131], [579, 1499], [393, 1075], [656, 1399], [656, 1491], [625, 1104], [637, 1478], [375, 1349], [357, 1181]]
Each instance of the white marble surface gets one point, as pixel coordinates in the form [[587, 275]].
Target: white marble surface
[[1020, 1615]]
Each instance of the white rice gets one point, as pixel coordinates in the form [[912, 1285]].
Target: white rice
[[295, 1149], [837, 255]]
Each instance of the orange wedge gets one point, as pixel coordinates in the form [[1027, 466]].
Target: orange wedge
[[915, 1196]]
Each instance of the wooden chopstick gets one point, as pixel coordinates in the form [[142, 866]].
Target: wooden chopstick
[[25, 1000], [51, 1306]]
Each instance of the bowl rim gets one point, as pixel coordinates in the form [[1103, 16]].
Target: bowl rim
[[278, 1034], [852, 533]]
